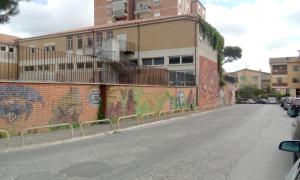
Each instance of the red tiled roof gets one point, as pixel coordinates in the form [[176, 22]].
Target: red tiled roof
[[116, 25], [4, 38]]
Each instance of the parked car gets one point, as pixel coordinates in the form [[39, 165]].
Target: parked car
[[294, 147], [250, 101], [282, 101], [287, 103], [272, 100], [294, 107]]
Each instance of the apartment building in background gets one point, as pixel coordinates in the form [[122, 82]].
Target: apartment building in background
[[7, 52], [112, 11], [248, 77], [286, 75]]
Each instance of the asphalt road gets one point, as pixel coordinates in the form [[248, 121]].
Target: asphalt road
[[238, 143]]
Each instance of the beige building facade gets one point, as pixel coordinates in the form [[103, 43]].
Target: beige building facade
[[8, 57], [112, 11], [155, 42], [247, 77], [286, 75]]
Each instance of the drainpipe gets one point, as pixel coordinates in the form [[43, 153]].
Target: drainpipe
[[138, 43], [195, 61]]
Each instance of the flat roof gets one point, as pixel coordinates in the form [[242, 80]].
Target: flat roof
[[116, 25], [284, 60]]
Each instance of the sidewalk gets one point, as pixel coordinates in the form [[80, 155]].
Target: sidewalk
[[65, 134]]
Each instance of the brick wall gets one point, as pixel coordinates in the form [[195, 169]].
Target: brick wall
[[129, 100], [209, 86], [24, 105]]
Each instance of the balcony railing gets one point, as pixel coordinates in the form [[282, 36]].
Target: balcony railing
[[143, 8], [279, 84], [119, 13]]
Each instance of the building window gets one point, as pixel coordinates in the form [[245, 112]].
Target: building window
[[296, 68], [156, 2], [174, 60], [80, 65], [243, 78], [147, 61], [187, 59], [279, 79], [89, 40], [89, 65], [296, 80], [3, 48], [109, 35], [255, 78], [11, 50], [159, 61], [70, 66], [99, 38], [156, 13], [50, 48], [43, 67], [62, 66], [69, 42], [99, 65], [79, 42], [29, 68]]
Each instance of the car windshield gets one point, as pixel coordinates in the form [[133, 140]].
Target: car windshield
[[289, 100]]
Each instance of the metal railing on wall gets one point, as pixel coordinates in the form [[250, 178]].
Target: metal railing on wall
[[33, 64]]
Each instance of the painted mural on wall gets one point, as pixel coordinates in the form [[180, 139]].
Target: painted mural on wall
[[68, 108], [209, 83], [16, 102], [93, 97], [140, 100], [227, 94]]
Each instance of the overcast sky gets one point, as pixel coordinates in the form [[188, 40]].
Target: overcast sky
[[262, 28]]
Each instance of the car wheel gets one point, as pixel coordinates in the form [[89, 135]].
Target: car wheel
[[295, 158]]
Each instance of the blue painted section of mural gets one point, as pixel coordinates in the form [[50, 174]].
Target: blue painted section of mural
[[16, 101], [93, 97]]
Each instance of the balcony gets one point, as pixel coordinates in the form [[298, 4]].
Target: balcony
[[120, 13], [142, 8], [279, 85], [119, 8]]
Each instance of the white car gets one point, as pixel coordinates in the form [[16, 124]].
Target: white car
[[292, 146], [272, 100]]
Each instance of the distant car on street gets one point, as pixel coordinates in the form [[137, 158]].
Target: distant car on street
[[250, 101], [272, 100], [287, 103], [294, 107], [294, 147]]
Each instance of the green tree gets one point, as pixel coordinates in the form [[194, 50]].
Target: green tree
[[231, 53], [8, 8]]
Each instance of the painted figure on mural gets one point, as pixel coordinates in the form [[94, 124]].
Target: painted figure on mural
[[16, 102], [93, 97], [68, 108], [191, 98], [130, 106], [209, 82], [180, 99]]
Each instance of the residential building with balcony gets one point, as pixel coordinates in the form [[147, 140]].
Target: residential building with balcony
[[286, 75], [112, 11], [247, 77]]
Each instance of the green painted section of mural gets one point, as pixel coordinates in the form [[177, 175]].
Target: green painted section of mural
[[140, 100]]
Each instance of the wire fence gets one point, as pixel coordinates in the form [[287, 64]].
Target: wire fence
[[48, 65]]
